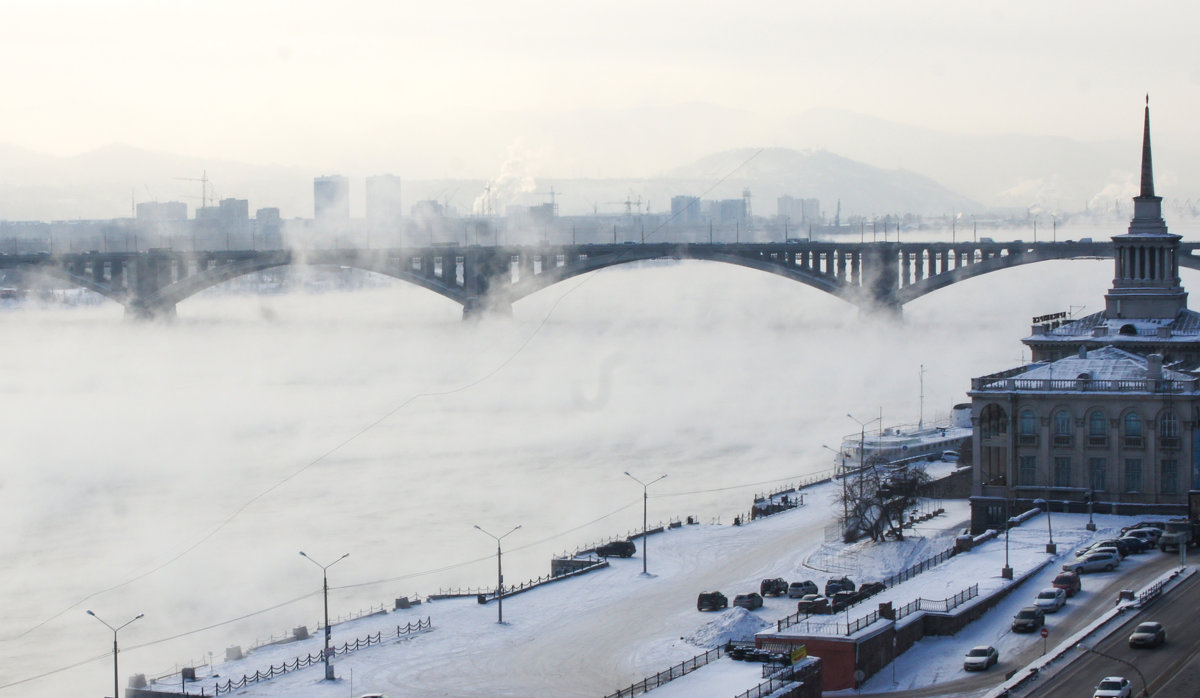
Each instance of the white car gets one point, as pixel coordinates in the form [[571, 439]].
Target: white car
[[980, 658], [1113, 687], [1051, 599]]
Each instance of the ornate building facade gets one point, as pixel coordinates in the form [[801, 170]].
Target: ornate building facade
[[1098, 420]]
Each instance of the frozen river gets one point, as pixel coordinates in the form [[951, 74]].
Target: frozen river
[[177, 470]]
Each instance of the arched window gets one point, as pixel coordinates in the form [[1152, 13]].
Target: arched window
[[1027, 427], [1127, 331], [1168, 430], [1062, 428], [1133, 430], [993, 421], [1097, 429]]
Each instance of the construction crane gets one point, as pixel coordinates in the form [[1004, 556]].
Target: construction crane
[[203, 186], [551, 194]]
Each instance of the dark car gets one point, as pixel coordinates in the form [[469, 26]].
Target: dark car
[[799, 589], [1068, 582], [1148, 635], [773, 587], [843, 599], [711, 601], [813, 603], [749, 601], [1143, 524], [833, 586], [870, 589], [1028, 619], [1135, 544], [1117, 543], [617, 548]]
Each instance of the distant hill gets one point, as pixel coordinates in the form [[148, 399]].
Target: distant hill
[[819, 174]]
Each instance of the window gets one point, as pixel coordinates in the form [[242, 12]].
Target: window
[[1027, 471], [1170, 477], [1133, 474], [1097, 429], [1027, 429], [1133, 430], [1062, 471], [1062, 428], [1096, 468], [993, 422], [1168, 430]]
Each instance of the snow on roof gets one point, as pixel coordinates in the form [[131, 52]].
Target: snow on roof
[[1184, 327], [1105, 363]]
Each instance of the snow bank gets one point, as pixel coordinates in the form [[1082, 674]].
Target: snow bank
[[735, 624]]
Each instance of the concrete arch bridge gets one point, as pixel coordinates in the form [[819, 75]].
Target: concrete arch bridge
[[875, 276]]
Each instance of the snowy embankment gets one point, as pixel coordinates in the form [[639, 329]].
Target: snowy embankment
[[613, 627], [594, 634]]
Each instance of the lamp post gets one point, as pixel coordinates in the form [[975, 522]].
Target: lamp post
[[325, 592], [645, 497], [116, 684], [1050, 547], [499, 572], [845, 495], [1007, 571], [1145, 686], [862, 437], [1091, 495]]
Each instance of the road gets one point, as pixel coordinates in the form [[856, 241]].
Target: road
[[1100, 593], [1171, 670]]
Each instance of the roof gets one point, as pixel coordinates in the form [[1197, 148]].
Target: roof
[[1105, 363], [1107, 369], [1184, 327]]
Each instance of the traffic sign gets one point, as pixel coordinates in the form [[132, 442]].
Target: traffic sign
[[1045, 631]]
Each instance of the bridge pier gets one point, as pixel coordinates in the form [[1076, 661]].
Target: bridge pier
[[476, 308], [142, 312]]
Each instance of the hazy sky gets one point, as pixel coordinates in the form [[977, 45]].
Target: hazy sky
[[338, 85]]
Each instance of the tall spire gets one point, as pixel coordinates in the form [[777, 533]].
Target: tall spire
[[1147, 167]]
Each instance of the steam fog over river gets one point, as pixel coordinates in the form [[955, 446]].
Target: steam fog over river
[[182, 467]]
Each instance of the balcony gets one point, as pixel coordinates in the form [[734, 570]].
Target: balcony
[[1168, 443], [1132, 442], [1027, 439], [1097, 441], [1063, 441]]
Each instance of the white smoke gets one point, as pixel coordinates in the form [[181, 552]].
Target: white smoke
[[516, 178]]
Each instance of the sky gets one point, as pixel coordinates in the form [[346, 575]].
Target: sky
[[446, 89]]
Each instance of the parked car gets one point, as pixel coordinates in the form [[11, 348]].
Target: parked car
[[1113, 687], [799, 589], [1148, 635], [813, 603], [617, 548], [870, 589], [1068, 582], [980, 658], [1028, 619], [1114, 543], [1148, 534], [833, 586], [950, 456], [750, 601], [773, 587], [1050, 600], [711, 601], [1099, 548], [1142, 525], [843, 599], [1093, 562], [1136, 544]]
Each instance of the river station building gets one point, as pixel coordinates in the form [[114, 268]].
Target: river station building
[[1106, 415]]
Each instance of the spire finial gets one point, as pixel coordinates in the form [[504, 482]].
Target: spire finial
[[1147, 167]]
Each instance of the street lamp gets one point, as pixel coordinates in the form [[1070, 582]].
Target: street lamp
[[1050, 547], [845, 495], [325, 591], [645, 497], [1091, 495], [1145, 686], [116, 684], [862, 437], [499, 572], [1007, 572]]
